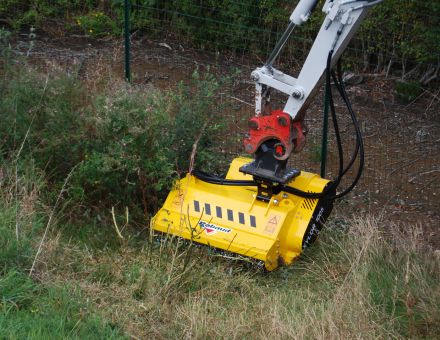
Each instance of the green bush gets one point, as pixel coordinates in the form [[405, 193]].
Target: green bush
[[140, 143], [44, 114], [127, 147], [97, 24], [19, 13]]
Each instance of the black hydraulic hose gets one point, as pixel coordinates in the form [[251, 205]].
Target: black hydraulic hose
[[361, 147], [335, 123], [205, 177], [339, 86], [344, 96], [221, 181]]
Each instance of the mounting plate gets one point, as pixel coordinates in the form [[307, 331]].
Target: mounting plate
[[280, 175]]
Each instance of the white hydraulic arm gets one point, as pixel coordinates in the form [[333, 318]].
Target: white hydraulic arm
[[341, 22]]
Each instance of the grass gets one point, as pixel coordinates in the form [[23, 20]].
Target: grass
[[357, 281], [29, 307], [39, 311]]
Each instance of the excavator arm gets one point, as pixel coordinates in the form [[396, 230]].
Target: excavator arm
[[274, 135]]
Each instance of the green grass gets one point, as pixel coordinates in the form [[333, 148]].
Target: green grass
[[40, 311], [31, 307]]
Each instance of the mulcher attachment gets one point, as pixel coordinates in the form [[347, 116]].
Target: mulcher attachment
[[233, 219]]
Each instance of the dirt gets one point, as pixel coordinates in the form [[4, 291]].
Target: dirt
[[401, 180]]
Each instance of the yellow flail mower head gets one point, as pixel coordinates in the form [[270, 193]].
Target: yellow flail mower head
[[231, 218], [264, 210]]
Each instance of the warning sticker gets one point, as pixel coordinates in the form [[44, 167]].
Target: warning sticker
[[272, 224], [211, 229], [273, 220]]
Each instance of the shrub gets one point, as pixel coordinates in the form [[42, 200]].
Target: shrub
[[44, 114], [128, 146], [140, 143], [97, 24]]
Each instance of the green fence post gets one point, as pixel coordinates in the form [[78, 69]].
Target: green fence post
[[127, 39], [324, 133]]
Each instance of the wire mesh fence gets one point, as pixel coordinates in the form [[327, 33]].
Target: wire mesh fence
[[400, 123]]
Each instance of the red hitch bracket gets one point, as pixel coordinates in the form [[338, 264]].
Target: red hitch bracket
[[277, 126]]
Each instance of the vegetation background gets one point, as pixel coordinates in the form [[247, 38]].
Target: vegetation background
[[398, 35], [70, 156]]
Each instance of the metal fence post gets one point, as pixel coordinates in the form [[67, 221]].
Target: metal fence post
[[324, 133], [127, 39]]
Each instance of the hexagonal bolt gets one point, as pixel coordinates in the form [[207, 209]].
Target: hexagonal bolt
[[298, 94]]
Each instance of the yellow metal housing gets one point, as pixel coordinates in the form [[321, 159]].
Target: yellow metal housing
[[232, 219]]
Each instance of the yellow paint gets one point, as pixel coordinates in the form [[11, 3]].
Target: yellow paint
[[279, 228]]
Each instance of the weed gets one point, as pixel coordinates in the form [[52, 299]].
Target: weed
[[315, 151], [103, 274], [406, 92], [14, 252], [20, 220]]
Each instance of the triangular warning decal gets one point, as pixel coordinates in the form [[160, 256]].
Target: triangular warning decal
[[272, 224], [273, 220]]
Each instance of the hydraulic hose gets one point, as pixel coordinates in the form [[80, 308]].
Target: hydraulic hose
[[359, 142], [335, 123], [341, 89], [221, 181]]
